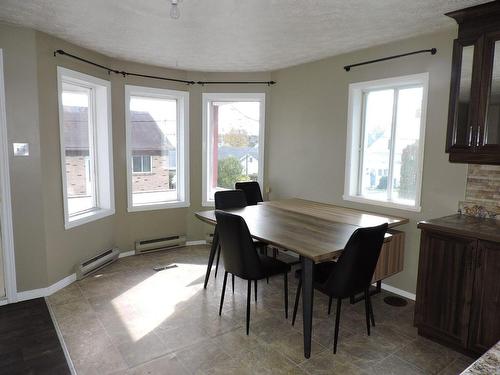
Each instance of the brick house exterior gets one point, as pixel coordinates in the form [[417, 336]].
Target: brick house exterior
[[147, 141]]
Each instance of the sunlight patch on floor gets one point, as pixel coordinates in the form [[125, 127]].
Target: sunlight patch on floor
[[157, 297]]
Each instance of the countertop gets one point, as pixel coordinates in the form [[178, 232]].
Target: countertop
[[488, 363], [465, 226]]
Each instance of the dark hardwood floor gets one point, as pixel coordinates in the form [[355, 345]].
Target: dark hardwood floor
[[28, 340]]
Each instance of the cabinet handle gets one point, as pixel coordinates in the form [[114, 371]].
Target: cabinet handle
[[470, 135], [477, 136]]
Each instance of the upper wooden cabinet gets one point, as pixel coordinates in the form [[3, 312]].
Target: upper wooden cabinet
[[474, 111]]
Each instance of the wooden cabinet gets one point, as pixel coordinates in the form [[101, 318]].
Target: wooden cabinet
[[444, 291], [485, 322], [473, 134], [458, 290]]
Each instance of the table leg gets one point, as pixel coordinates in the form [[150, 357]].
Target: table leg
[[307, 302], [213, 250]]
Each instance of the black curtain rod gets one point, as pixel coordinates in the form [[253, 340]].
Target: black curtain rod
[[124, 74], [432, 51]]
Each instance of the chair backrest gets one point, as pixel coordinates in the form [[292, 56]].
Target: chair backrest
[[226, 199], [356, 265], [238, 250], [252, 191]]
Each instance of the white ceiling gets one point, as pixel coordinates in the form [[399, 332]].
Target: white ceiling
[[231, 35]]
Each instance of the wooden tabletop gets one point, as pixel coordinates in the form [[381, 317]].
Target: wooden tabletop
[[337, 213], [308, 234]]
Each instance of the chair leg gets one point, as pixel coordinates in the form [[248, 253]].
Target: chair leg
[[367, 311], [285, 278], [255, 287], [223, 291], [372, 317], [249, 292], [267, 279], [232, 281], [297, 298], [217, 261], [330, 300], [337, 321]]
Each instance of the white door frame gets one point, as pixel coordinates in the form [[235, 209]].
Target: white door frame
[[6, 207]]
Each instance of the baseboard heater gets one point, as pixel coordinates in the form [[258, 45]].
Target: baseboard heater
[[156, 244], [89, 266]]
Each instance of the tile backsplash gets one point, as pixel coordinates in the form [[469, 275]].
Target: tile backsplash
[[482, 195]]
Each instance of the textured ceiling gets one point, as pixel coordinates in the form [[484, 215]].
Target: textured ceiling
[[230, 35]]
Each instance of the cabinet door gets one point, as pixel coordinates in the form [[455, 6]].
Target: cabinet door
[[485, 316], [444, 290], [464, 95], [489, 114]]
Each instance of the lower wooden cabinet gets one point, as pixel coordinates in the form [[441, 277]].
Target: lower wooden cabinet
[[458, 291], [485, 316]]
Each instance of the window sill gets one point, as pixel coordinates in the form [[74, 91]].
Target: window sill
[[87, 217], [373, 202], [158, 206]]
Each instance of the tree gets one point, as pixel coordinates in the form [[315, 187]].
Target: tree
[[236, 138], [408, 182], [229, 171]]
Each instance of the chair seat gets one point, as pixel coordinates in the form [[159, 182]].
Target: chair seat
[[273, 266]]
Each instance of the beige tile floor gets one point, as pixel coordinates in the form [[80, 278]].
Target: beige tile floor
[[129, 319]]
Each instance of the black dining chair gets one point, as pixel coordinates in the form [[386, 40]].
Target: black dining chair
[[242, 259], [351, 274], [252, 191], [230, 199]]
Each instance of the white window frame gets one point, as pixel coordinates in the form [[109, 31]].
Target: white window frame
[[236, 97], [182, 166], [354, 148], [103, 146]]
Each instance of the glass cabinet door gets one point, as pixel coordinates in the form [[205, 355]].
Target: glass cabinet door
[[490, 135], [461, 132]]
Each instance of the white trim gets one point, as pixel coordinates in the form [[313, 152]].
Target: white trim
[[197, 242], [9, 262], [125, 254], [4, 301], [360, 199], [103, 148], [354, 132], [182, 98], [61, 338], [237, 97], [45, 292], [399, 292]]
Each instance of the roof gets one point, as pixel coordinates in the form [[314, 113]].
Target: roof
[[146, 134], [238, 152]]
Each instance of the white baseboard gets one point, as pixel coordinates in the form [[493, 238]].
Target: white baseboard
[[45, 292], [194, 243], [399, 292], [4, 301], [125, 254]]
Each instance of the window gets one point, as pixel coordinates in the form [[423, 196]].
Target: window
[[233, 141], [142, 164], [86, 150], [157, 148], [385, 141]]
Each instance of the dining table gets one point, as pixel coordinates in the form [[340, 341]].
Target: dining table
[[316, 231]]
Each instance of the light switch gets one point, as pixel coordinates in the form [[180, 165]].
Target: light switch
[[21, 149]]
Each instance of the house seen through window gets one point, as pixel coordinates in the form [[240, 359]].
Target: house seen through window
[[155, 143], [386, 139], [233, 131]]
